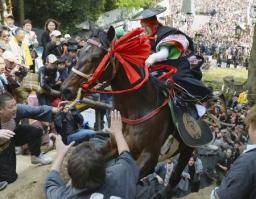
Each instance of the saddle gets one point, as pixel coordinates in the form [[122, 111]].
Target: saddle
[[192, 129]]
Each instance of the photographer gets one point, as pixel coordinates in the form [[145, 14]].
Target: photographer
[[14, 73], [55, 46], [12, 134], [47, 78]]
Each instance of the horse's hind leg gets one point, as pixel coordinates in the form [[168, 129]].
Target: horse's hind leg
[[185, 154]]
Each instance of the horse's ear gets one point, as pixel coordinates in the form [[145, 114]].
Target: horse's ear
[[111, 33]]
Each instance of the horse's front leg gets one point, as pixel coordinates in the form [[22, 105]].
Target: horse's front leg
[[109, 149], [185, 154], [146, 163]]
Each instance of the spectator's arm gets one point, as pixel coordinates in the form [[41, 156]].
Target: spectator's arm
[[44, 39], [222, 167], [35, 41], [42, 113], [158, 167], [185, 175], [43, 84], [62, 150], [238, 183], [199, 166], [126, 163], [125, 160], [48, 49], [53, 184], [116, 130]]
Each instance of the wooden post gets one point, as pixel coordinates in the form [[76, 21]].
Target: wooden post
[[98, 123], [21, 12], [98, 106], [2, 11]]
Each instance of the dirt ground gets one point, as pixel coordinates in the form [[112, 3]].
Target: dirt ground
[[29, 184]]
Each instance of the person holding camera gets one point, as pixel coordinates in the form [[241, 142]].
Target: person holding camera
[[13, 73], [55, 46], [12, 134]]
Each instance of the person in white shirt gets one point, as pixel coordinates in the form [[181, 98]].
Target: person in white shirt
[[2, 76], [30, 36], [9, 20]]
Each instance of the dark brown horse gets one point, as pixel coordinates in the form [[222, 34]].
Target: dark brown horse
[[145, 139]]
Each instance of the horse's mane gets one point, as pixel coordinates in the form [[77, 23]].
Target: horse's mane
[[158, 85], [101, 35]]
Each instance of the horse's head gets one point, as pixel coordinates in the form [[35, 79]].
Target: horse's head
[[89, 58]]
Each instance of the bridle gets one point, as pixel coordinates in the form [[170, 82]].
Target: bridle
[[115, 53], [92, 82], [79, 73], [97, 44]]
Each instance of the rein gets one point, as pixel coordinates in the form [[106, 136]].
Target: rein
[[133, 48], [147, 116]]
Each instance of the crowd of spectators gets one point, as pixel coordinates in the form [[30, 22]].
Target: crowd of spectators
[[227, 36], [210, 164], [218, 38], [18, 62]]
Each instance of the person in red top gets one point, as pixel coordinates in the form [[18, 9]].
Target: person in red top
[[170, 46]]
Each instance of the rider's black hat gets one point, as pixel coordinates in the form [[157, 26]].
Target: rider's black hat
[[148, 13]]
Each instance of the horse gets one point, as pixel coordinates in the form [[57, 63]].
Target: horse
[[146, 138]]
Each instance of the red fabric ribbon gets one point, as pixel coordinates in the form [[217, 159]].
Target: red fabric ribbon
[[132, 48]]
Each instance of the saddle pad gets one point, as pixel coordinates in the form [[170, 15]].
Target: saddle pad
[[193, 132]]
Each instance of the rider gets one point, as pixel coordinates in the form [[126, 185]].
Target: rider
[[170, 46]]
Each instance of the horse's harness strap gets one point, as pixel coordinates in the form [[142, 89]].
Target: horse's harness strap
[[95, 43], [113, 62], [146, 117], [80, 73]]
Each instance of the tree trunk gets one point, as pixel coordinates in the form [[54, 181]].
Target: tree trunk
[[21, 12], [251, 83], [188, 7]]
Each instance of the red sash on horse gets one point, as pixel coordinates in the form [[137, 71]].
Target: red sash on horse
[[132, 48]]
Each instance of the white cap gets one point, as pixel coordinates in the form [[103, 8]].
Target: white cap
[[67, 36], [55, 33], [52, 58], [9, 56]]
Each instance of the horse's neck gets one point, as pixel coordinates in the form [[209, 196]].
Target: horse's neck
[[137, 103]]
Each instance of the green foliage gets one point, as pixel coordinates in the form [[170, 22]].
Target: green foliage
[[110, 5], [72, 12], [214, 76], [68, 12], [134, 3]]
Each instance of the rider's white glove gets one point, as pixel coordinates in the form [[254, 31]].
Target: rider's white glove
[[157, 57], [150, 60]]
